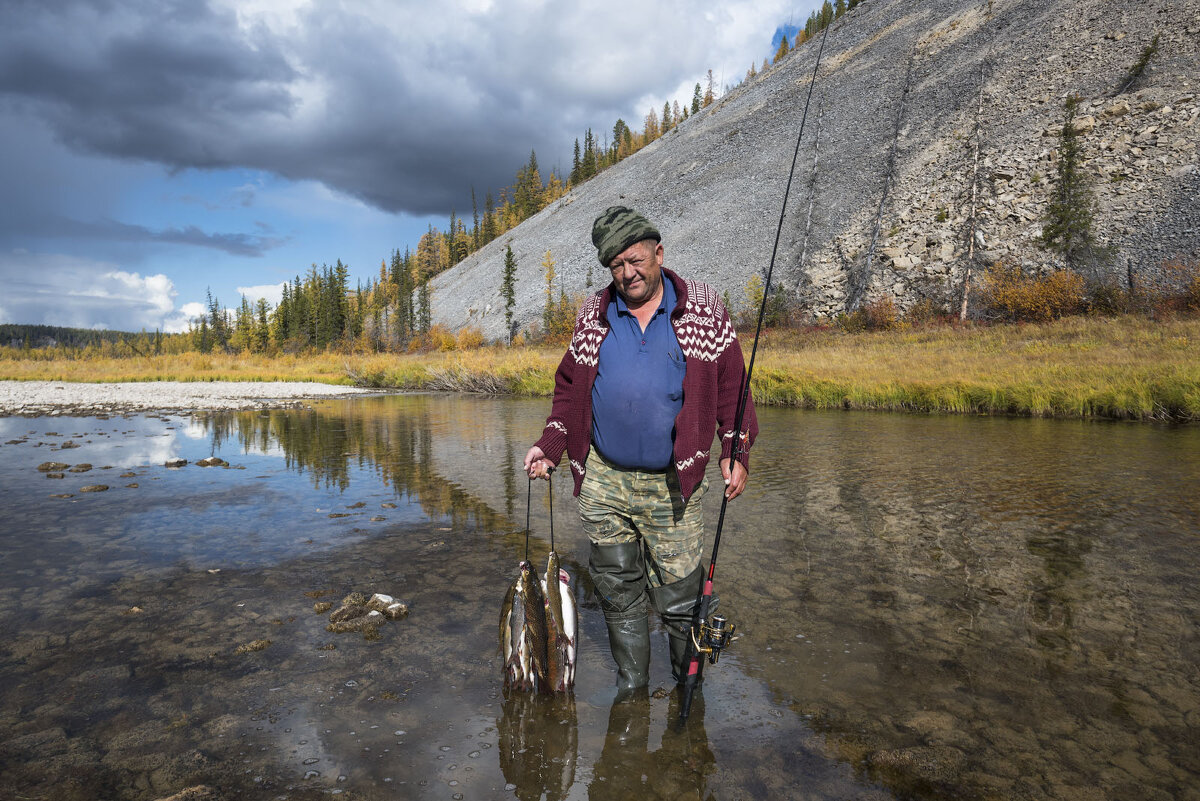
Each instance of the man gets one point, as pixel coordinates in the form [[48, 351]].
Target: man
[[653, 369]]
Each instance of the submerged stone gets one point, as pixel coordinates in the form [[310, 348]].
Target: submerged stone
[[212, 461], [175, 463], [94, 488], [371, 620], [380, 602], [348, 612], [254, 645], [83, 467], [52, 467]]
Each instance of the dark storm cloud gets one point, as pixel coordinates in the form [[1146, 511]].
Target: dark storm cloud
[[235, 244], [402, 105]]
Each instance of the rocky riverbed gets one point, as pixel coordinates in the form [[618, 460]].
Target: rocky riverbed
[[34, 398]]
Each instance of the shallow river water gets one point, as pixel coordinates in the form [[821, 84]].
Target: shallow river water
[[926, 608]]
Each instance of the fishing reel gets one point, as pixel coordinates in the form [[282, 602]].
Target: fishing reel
[[712, 637]]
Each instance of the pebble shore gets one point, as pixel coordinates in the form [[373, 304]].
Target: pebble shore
[[33, 398]]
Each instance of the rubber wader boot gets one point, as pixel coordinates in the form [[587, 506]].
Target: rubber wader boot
[[677, 603], [619, 574]]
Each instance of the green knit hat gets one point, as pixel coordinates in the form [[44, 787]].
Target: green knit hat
[[618, 228]]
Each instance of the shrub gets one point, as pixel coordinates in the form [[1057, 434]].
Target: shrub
[[882, 314], [923, 313], [1010, 294], [441, 338], [1178, 289], [1107, 297], [469, 338], [878, 314]]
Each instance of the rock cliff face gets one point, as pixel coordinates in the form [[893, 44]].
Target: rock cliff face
[[882, 196]]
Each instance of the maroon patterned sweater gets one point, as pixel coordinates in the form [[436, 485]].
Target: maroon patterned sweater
[[711, 384]]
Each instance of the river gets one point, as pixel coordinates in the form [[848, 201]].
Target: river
[[926, 608]]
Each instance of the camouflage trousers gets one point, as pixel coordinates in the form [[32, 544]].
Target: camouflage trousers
[[618, 505]]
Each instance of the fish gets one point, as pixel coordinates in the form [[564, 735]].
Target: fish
[[513, 673], [562, 623], [570, 614], [523, 633], [535, 630]]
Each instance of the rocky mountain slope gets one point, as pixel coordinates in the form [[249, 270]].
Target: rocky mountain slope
[[882, 195]]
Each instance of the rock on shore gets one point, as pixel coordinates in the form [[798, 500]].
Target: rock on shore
[[32, 398]]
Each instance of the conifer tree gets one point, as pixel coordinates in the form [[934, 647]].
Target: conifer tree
[[650, 130], [423, 313], [782, 50], [622, 140], [475, 243], [489, 219], [696, 101], [710, 92], [852, 3], [588, 165], [548, 310], [1068, 228], [508, 289], [262, 328], [839, 8]]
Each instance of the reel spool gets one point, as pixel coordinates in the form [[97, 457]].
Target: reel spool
[[713, 637]]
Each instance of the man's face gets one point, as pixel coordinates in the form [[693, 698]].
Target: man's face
[[637, 271]]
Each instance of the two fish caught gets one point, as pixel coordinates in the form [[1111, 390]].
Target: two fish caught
[[538, 628]]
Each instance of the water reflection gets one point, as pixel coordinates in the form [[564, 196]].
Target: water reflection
[[539, 745], [927, 608], [628, 767]]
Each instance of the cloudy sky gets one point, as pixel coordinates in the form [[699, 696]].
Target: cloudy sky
[[154, 150]]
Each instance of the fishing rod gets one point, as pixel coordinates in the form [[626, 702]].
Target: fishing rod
[[710, 636]]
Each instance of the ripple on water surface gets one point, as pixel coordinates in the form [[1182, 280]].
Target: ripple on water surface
[[927, 607]]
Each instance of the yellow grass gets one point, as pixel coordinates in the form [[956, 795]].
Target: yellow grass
[[1126, 367]]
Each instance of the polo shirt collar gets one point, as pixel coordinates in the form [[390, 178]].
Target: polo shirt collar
[[665, 303]]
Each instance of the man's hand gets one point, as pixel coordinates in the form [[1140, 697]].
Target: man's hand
[[733, 484], [536, 463]]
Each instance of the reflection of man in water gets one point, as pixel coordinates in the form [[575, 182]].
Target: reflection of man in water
[[539, 745], [627, 769], [653, 369]]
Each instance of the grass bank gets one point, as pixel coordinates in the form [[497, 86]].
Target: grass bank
[[1122, 367]]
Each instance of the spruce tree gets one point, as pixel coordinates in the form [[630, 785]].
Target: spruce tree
[[782, 50], [508, 289], [696, 98], [548, 310], [1068, 228]]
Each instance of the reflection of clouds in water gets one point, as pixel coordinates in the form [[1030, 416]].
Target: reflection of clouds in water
[[194, 429], [11, 427], [131, 452], [118, 441]]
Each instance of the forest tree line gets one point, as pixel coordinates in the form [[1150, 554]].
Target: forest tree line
[[391, 311]]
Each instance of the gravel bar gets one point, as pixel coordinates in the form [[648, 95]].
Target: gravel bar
[[34, 398]]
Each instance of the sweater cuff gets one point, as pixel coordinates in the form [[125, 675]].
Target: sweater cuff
[[553, 441], [727, 451]]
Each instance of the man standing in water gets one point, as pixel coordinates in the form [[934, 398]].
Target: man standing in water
[[654, 368]]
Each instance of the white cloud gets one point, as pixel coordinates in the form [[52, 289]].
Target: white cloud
[[272, 292], [57, 289]]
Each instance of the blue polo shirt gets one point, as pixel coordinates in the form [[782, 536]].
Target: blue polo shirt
[[639, 387]]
